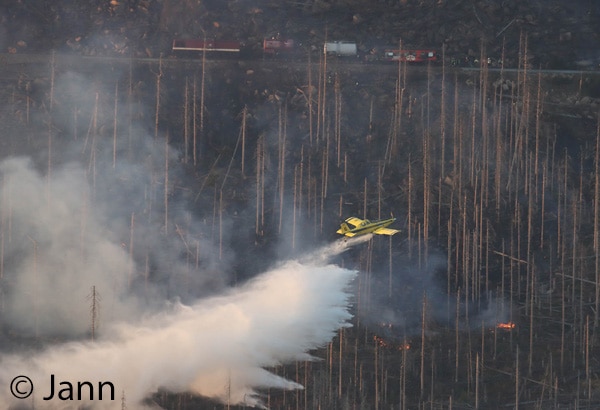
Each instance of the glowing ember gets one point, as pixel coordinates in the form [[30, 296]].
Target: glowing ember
[[381, 342]]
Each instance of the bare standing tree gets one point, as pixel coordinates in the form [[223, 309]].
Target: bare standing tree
[[50, 125], [94, 298], [115, 125], [157, 109], [597, 224]]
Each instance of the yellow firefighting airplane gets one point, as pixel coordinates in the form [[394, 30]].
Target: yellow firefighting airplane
[[354, 226]]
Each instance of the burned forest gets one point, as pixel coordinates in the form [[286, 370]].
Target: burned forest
[[168, 224]]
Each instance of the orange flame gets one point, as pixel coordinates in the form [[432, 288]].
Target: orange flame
[[507, 326]]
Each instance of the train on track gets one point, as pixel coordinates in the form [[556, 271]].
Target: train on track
[[289, 48]]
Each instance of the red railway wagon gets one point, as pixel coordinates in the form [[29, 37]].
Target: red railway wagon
[[275, 47], [222, 46], [412, 56]]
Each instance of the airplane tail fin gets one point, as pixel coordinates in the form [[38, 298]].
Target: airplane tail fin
[[343, 228]]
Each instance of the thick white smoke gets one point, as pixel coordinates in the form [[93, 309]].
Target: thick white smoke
[[55, 250], [216, 347], [61, 237]]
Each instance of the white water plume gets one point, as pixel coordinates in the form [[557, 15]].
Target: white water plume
[[217, 347], [325, 253]]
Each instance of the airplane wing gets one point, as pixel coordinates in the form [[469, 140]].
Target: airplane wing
[[354, 221], [386, 231]]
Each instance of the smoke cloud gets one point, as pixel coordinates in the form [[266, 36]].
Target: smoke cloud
[[55, 251], [62, 236], [392, 305]]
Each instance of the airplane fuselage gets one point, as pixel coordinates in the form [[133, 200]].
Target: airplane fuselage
[[355, 226]]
